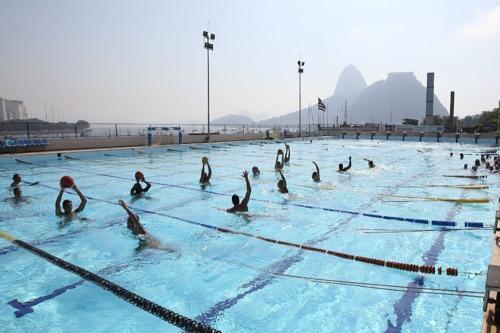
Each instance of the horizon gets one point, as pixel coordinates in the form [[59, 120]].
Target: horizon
[[121, 61]]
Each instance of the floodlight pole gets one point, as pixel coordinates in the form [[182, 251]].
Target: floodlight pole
[[209, 46], [300, 63]]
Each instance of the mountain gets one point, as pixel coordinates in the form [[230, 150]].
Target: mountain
[[233, 119], [400, 94], [349, 85]]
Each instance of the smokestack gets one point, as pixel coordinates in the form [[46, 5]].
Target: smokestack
[[429, 109], [452, 111], [429, 106]]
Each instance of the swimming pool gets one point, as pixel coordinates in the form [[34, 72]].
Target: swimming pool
[[238, 283]]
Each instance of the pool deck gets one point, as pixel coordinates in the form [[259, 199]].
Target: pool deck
[[489, 326]]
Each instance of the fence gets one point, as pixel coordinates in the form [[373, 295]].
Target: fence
[[30, 129]]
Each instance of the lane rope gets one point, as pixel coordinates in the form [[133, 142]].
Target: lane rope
[[333, 210], [155, 309]]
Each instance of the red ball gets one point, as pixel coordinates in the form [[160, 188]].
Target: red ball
[[139, 175], [67, 182]]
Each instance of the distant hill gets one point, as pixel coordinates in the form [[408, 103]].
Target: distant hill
[[400, 94], [349, 85], [233, 119]]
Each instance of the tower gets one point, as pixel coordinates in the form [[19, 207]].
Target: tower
[[429, 100]]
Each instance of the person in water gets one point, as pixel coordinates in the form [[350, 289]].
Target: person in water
[[315, 174], [205, 177], [370, 163], [255, 171], [341, 166], [287, 153], [243, 205], [278, 165], [137, 189], [461, 156], [477, 163], [134, 225], [67, 205], [282, 183], [16, 180]]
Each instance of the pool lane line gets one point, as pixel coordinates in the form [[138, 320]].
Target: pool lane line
[[140, 302], [263, 280], [403, 306], [340, 211], [380, 286], [450, 271], [11, 248], [24, 308]]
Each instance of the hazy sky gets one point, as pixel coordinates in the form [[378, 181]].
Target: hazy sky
[[143, 61]]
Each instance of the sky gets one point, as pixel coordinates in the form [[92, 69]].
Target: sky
[[144, 61]]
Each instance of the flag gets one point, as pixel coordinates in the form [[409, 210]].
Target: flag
[[321, 105]]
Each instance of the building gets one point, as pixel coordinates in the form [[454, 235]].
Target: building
[[429, 101], [12, 110]]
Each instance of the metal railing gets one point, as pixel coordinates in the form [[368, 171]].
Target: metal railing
[[36, 129]]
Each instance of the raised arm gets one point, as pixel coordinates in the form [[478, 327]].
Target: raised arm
[[349, 166], [129, 212], [246, 199], [148, 185], [202, 171], [83, 200], [58, 202], [209, 171], [287, 153], [136, 224], [317, 169]]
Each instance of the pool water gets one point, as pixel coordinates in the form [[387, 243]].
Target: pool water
[[236, 283]]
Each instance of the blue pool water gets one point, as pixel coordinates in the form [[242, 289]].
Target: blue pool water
[[242, 284]]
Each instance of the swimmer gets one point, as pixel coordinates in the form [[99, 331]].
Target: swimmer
[[16, 180], [477, 163], [370, 163], [255, 171], [204, 177], [451, 154], [341, 166], [279, 165], [461, 156], [287, 153], [18, 197], [133, 222], [137, 189], [315, 174], [243, 205], [67, 205], [474, 168], [146, 239], [282, 183], [465, 166]]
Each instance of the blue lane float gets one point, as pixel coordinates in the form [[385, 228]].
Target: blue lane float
[[398, 218]]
